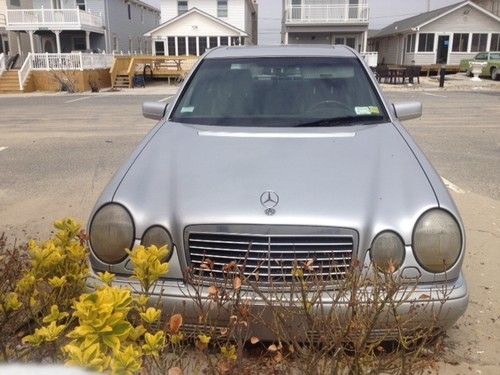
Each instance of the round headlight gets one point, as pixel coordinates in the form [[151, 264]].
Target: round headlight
[[159, 237], [437, 240], [111, 232], [388, 251]]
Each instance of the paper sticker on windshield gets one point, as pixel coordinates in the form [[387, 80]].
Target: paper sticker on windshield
[[374, 110], [187, 109], [360, 111]]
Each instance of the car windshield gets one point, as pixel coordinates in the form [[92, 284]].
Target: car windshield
[[280, 91]]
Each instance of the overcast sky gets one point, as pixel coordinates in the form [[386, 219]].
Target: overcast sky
[[382, 13]]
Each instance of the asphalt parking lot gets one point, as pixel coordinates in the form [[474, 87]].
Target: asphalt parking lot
[[57, 152]]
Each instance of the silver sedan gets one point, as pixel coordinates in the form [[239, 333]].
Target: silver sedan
[[283, 154]]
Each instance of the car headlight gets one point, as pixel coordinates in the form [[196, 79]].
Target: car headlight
[[437, 240], [388, 251], [158, 236], [111, 232]]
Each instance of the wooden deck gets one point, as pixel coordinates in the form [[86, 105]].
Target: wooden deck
[[125, 68], [436, 68]]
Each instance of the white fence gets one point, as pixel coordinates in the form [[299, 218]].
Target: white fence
[[3, 63], [35, 18], [371, 58], [327, 13], [63, 61], [70, 61]]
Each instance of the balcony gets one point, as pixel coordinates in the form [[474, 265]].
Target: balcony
[[53, 19], [327, 14]]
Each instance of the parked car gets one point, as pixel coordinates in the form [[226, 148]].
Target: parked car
[[281, 155], [491, 62]]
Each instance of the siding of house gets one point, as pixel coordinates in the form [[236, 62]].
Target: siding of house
[[475, 21], [389, 49], [466, 20], [492, 6], [237, 11], [129, 33]]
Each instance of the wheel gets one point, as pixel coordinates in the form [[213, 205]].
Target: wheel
[[495, 74]]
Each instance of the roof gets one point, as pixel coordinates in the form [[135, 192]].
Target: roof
[[290, 50], [412, 23], [196, 10], [145, 5]]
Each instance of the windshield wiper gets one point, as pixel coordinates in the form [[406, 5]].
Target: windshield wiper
[[342, 121]]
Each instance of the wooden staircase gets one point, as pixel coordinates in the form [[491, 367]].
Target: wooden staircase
[[9, 82], [121, 81]]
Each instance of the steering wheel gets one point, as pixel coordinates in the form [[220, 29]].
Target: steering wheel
[[329, 102]]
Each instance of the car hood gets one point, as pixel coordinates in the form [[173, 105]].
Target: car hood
[[360, 177]]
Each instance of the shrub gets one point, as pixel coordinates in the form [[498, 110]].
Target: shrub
[[48, 314]]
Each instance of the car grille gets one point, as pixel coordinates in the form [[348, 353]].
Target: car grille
[[271, 257]]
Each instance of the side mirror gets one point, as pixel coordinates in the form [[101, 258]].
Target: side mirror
[[407, 110], [154, 110]]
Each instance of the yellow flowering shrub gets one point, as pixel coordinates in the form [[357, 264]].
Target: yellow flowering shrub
[[106, 330]]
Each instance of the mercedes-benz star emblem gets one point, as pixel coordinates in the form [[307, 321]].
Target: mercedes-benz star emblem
[[269, 199]]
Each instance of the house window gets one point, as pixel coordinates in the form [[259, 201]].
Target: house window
[[495, 42], [426, 42], [159, 47], [221, 8], [80, 4], [235, 41], [142, 15], [410, 42], [213, 42], [479, 42], [203, 45], [181, 45], [192, 45], [130, 45], [460, 42], [171, 45], [15, 3], [129, 12], [224, 40], [182, 7], [115, 43], [350, 42]]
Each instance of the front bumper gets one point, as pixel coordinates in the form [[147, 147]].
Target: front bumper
[[432, 305]]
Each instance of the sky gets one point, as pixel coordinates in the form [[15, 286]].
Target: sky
[[382, 13]]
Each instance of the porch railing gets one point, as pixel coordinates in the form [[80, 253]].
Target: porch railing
[[34, 18], [63, 61], [327, 13], [24, 72]]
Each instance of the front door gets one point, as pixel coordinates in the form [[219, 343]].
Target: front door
[[442, 49]]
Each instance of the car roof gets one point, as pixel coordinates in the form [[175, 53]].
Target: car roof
[[282, 50]]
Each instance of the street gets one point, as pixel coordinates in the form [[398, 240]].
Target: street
[[57, 152]]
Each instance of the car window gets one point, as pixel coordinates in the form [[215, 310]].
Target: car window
[[481, 56], [494, 56], [277, 91]]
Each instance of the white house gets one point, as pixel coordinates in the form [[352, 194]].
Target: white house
[[442, 36], [189, 27], [326, 22], [57, 26]]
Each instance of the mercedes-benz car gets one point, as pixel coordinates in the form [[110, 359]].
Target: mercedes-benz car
[[285, 154]]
